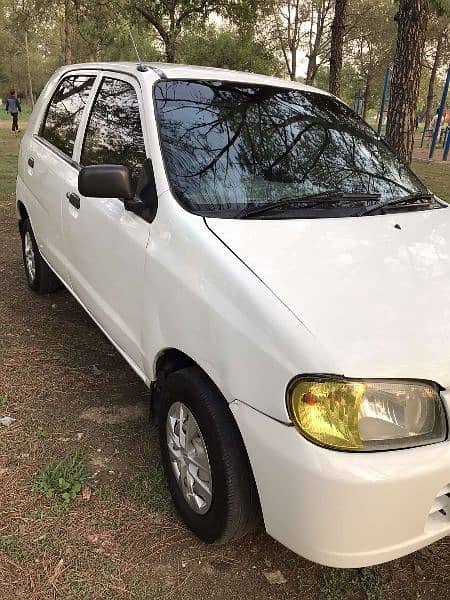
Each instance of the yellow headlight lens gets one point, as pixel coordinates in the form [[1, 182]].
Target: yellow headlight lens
[[367, 415], [328, 412]]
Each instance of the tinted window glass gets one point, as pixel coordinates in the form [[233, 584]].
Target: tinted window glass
[[231, 146], [65, 111], [114, 133]]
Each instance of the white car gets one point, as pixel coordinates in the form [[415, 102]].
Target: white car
[[277, 276]]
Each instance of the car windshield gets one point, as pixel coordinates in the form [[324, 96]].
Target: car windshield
[[232, 147]]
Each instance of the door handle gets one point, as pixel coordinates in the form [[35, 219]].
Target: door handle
[[31, 162], [74, 200]]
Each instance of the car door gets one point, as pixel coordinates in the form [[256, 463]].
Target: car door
[[106, 243], [50, 167]]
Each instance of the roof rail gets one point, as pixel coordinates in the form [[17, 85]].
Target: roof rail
[[143, 68]]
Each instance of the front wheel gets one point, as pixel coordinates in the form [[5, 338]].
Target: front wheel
[[205, 462]]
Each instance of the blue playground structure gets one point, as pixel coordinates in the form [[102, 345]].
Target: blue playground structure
[[384, 98], [439, 134]]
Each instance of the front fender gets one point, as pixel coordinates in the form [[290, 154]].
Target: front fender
[[203, 300]]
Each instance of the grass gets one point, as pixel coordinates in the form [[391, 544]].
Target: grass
[[41, 431], [148, 488], [10, 547], [24, 115], [9, 152], [4, 400], [370, 583], [63, 479], [436, 177], [337, 584]]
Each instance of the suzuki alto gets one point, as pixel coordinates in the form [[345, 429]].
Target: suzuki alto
[[276, 276]]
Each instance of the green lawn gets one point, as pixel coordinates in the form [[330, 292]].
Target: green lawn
[[436, 176], [9, 149], [24, 115]]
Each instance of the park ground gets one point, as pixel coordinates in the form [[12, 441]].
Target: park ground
[[84, 513]]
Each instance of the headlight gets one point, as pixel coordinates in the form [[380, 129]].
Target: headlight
[[358, 415]]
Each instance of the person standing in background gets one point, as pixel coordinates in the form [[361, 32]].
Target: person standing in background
[[14, 108]]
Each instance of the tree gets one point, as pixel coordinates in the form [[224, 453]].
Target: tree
[[337, 43], [286, 20], [318, 44], [170, 17], [68, 31], [228, 48], [367, 52], [412, 19]]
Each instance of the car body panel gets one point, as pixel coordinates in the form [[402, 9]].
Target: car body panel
[[374, 290]]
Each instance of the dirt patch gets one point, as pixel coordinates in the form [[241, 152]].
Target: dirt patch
[[114, 414]]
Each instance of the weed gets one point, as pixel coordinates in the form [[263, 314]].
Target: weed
[[4, 400], [370, 583], [64, 478], [41, 432], [335, 584], [139, 590], [149, 488], [102, 492], [76, 587], [8, 545]]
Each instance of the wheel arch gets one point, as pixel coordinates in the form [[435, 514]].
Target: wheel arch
[[168, 361], [22, 214]]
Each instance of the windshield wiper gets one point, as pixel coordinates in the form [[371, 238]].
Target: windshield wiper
[[311, 200], [408, 200]]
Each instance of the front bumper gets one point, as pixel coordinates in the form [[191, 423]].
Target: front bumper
[[346, 509]]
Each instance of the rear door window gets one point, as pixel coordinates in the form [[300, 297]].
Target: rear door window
[[114, 132], [65, 111]]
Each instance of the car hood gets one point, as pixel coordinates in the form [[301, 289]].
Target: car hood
[[374, 291]]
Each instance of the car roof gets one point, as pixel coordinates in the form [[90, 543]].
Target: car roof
[[178, 71]]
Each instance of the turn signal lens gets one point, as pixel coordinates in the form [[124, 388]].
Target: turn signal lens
[[367, 415]]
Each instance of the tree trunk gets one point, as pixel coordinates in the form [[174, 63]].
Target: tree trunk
[[68, 32], [337, 43], [412, 21], [367, 91], [311, 70], [293, 72], [431, 83], [169, 49]]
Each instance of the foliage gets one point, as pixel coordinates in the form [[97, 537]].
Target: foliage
[[228, 48], [290, 39], [63, 479]]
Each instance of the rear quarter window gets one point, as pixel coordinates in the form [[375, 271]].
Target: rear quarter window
[[65, 110]]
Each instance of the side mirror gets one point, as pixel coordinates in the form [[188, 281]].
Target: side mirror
[[105, 181]]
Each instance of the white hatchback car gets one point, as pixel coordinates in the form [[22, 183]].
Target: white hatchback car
[[277, 276]]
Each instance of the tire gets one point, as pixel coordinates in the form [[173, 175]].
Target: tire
[[40, 277], [233, 507]]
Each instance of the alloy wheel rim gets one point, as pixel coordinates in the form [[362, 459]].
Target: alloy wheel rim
[[30, 262], [189, 458]]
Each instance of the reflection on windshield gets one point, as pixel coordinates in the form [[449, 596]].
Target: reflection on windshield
[[230, 146]]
